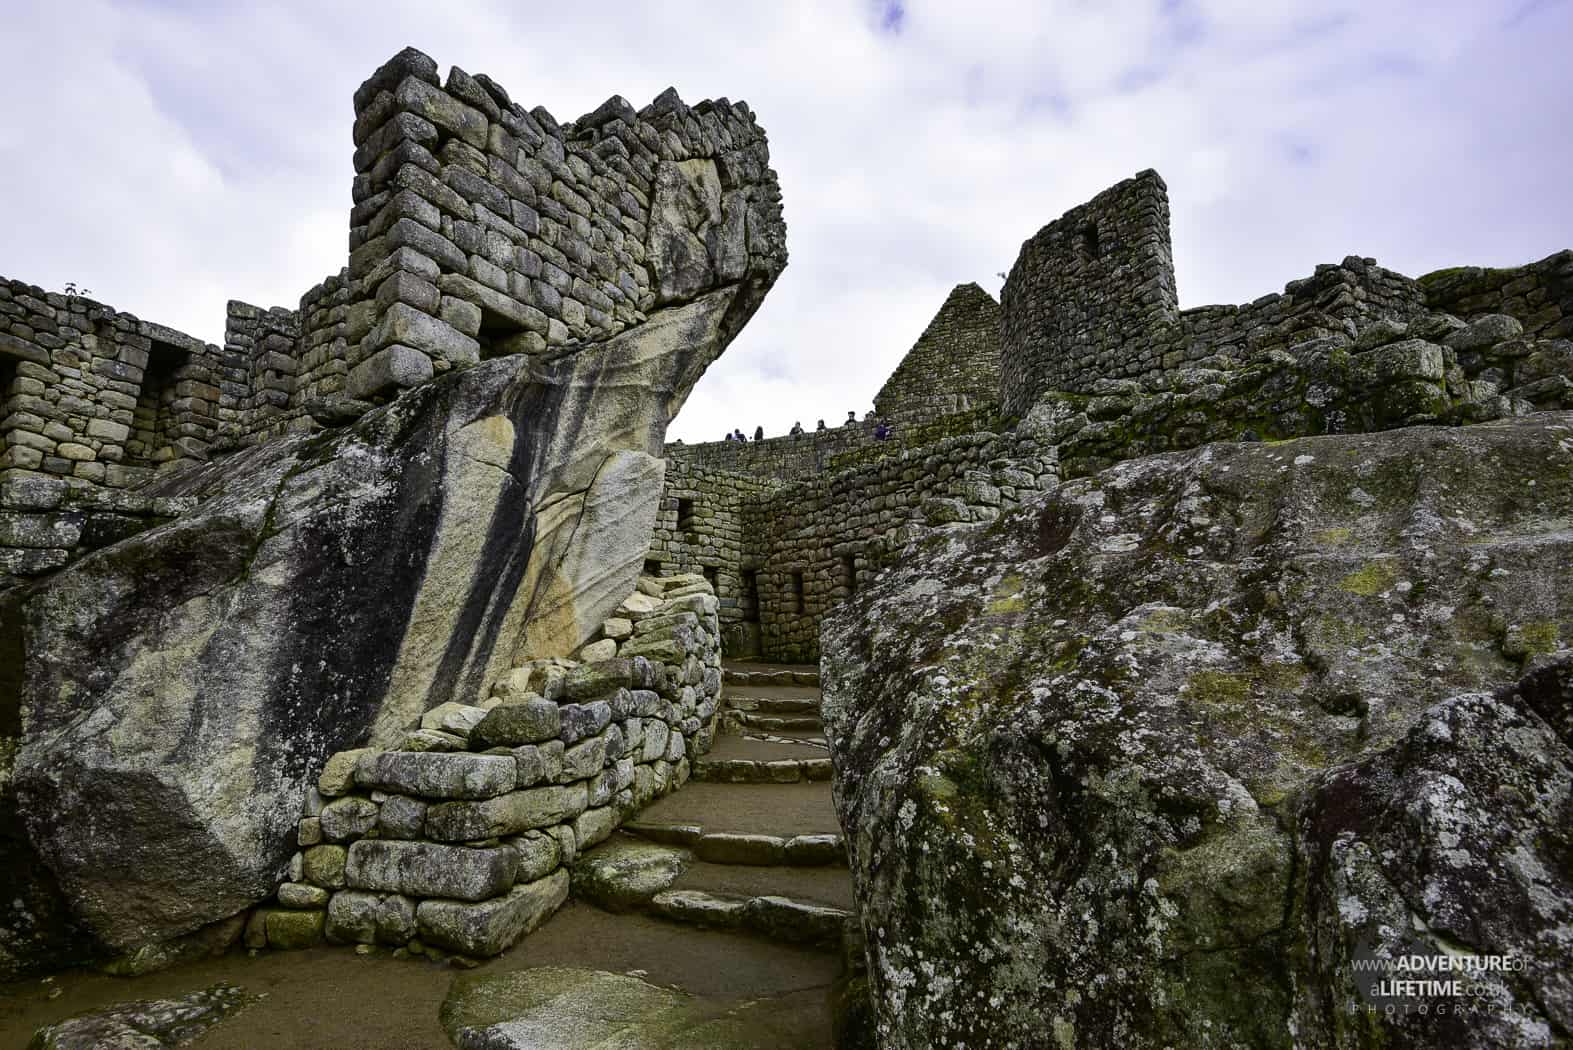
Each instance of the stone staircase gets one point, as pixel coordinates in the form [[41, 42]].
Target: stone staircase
[[752, 844]]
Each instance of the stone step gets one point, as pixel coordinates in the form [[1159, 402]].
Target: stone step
[[772, 917], [775, 723], [743, 674], [782, 810], [773, 705], [731, 847], [822, 886], [752, 771], [767, 747]]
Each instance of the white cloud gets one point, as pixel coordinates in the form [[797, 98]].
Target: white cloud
[[171, 155]]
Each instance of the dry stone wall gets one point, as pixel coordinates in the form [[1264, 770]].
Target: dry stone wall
[[954, 366], [783, 556], [481, 228], [458, 840], [1539, 296]]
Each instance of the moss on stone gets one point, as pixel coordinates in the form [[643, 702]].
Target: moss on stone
[[1374, 578]]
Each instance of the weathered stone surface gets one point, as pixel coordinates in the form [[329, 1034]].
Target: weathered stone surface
[[488, 927], [537, 807], [1130, 738], [148, 1024], [358, 917], [428, 869], [348, 818], [293, 930], [438, 774], [526, 721], [575, 1009], [329, 588], [624, 873]]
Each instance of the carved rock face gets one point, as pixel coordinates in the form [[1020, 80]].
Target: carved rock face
[[1149, 761]]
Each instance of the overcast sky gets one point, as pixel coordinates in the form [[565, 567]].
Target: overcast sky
[[173, 155]]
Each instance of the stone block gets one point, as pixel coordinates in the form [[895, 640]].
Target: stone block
[[293, 930], [401, 817], [324, 866], [40, 531], [604, 649], [348, 818], [540, 853], [584, 720], [594, 826], [721, 847], [488, 928], [584, 759], [338, 773], [815, 850], [456, 775], [538, 807], [404, 325], [428, 869], [358, 917], [302, 895], [108, 431], [450, 717], [391, 368], [527, 721]]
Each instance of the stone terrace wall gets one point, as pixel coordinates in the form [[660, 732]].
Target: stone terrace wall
[[953, 367], [459, 840], [816, 541], [482, 229]]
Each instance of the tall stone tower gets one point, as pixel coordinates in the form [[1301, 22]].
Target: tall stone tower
[[1088, 293]]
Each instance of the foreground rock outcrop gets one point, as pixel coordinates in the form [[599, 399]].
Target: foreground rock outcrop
[[181, 688], [1158, 759]]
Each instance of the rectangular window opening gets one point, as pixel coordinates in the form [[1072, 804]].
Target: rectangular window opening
[[713, 577], [799, 604], [652, 567], [750, 596], [849, 573], [685, 514], [151, 441]]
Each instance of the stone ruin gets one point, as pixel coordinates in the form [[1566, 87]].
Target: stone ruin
[[1086, 361], [364, 625], [219, 566]]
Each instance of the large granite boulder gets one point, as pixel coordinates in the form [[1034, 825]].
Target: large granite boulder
[[183, 687], [1152, 761]]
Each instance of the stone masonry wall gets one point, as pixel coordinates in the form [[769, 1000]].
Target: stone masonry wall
[[1082, 287], [99, 396], [699, 529], [1539, 296], [459, 840], [794, 551], [1103, 367], [954, 366], [46, 522], [481, 229]]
